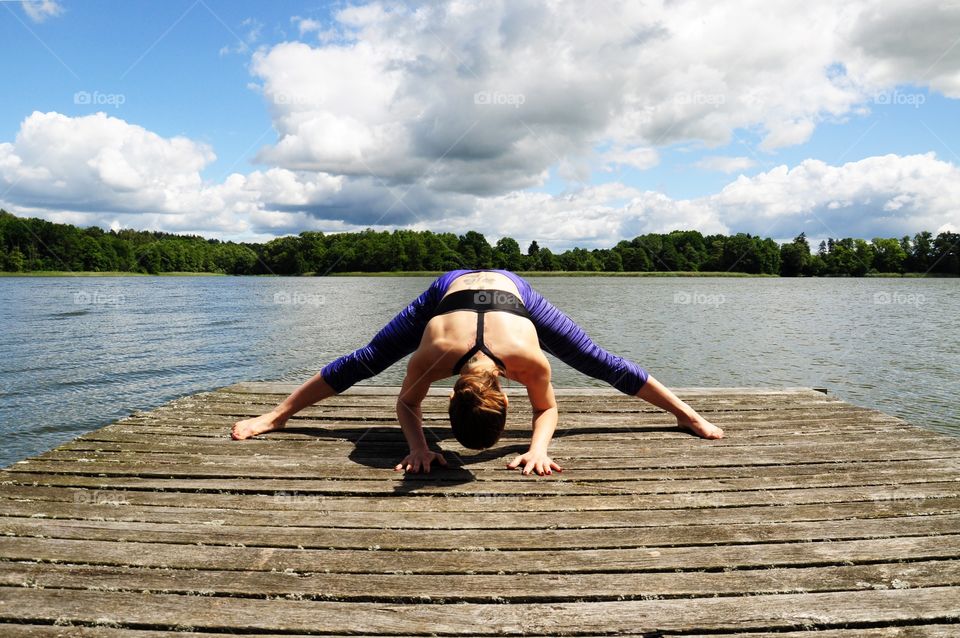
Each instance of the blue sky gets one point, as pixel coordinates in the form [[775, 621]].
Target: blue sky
[[388, 135]]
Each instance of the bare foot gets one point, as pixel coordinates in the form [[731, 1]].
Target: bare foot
[[257, 425], [700, 426]]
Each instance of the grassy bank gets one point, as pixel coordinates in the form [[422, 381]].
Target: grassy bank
[[556, 273], [432, 273], [88, 273]]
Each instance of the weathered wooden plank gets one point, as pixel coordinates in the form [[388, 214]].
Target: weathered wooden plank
[[707, 408], [644, 456], [434, 495], [213, 436], [636, 441], [360, 512], [349, 561], [607, 410], [372, 438], [507, 539], [686, 479], [746, 421], [372, 434], [281, 388], [583, 422], [903, 631], [578, 403], [573, 404], [780, 611], [580, 406], [439, 477], [383, 431], [331, 452], [77, 631], [908, 631], [455, 588], [564, 396]]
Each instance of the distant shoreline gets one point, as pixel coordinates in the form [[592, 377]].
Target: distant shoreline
[[431, 273], [91, 273]]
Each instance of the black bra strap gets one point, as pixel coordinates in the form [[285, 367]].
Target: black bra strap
[[479, 346]]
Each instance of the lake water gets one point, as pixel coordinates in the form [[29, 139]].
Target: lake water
[[81, 352]]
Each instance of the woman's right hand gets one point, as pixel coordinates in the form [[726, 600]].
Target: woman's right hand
[[418, 459]]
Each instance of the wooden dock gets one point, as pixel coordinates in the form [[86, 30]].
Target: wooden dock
[[813, 518]]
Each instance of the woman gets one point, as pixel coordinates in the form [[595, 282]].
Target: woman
[[481, 325]]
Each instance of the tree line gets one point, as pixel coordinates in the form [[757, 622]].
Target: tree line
[[30, 244]]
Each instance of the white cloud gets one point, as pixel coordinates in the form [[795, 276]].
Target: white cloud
[[40, 10], [96, 166], [99, 161], [906, 42], [307, 25], [887, 196], [485, 98], [640, 158], [725, 164]]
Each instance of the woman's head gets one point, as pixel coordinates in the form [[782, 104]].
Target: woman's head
[[478, 409]]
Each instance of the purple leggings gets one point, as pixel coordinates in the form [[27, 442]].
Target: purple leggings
[[558, 334]]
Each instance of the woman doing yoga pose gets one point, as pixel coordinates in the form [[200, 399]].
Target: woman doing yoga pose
[[480, 325]]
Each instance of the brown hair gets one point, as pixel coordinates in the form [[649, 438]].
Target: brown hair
[[478, 410]]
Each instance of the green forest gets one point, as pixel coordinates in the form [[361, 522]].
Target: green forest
[[30, 245]]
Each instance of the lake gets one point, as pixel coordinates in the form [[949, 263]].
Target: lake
[[81, 352]]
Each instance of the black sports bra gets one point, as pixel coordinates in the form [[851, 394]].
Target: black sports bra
[[480, 302]]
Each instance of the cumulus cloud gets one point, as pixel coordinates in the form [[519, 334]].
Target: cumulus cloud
[[595, 216], [487, 98], [725, 164], [884, 196], [476, 81], [40, 10], [99, 166], [905, 41], [640, 158]]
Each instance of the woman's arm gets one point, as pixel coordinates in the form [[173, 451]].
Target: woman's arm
[[415, 387], [545, 415]]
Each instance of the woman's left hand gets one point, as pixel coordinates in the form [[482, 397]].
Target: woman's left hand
[[534, 461]]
